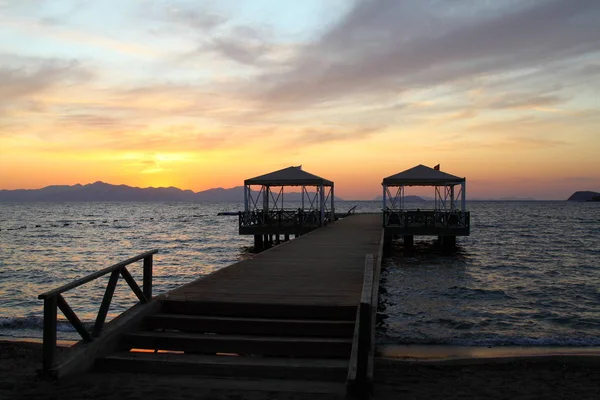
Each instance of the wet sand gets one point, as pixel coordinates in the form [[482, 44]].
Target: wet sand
[[574, 376]]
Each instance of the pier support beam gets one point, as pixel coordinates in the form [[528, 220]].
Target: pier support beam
[[409, 241], [448, 242], [286, 237], [258, 242], [387, 240]]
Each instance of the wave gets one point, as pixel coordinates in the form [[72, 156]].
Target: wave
[[585, 341], [34, 322]]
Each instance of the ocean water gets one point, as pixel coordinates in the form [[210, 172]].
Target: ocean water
[[529, 274]]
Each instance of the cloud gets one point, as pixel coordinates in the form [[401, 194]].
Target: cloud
[[524, 100], [35, 76], [313, 136], [182, 17], [391, 46]]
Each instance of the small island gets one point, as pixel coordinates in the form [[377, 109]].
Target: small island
[[584, 196]]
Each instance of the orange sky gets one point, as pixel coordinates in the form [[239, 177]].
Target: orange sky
[[205, 95]]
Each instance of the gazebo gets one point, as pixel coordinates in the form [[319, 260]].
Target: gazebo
[[447, 219], [265, 214]]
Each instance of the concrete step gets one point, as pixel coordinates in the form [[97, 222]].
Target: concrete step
[[257, 310], [239, 344], [225, 366], [254, 326]]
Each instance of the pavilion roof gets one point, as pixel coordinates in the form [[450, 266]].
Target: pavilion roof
[[422, 176], [290, 176]]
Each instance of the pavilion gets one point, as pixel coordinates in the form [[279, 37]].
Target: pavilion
[[447, 219], [265, 214]]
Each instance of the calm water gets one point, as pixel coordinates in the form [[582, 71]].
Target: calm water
[[528, 274]]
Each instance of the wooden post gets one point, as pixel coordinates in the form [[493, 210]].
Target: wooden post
[[147, 284], [364, 344], [108, 294], [72, 317], [49, 346], [286, 237]]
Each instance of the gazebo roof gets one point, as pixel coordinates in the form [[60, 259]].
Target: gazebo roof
[[290, 176], [422, 176]]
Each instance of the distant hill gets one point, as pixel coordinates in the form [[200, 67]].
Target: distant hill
[[100, 191], [406, 198], [583, 196]]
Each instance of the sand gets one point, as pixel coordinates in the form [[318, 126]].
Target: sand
[[537, 377]]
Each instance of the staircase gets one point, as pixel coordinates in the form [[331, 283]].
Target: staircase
[[241, 340]]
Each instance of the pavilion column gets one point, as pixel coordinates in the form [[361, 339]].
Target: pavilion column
[[246, 195], [266, 190], [463, 203], [322, 203], [402, 197], [452, 198], [332, 204]]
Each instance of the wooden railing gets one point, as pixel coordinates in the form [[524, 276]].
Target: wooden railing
[[54, 300], [359, 381]]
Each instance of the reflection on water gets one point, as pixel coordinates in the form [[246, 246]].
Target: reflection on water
[[528, 275]]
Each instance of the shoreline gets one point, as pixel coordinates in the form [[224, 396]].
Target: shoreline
[[428, 353], [539, 376], [465, 354]]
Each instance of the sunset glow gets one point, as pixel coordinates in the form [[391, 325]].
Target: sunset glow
[[203, 94]]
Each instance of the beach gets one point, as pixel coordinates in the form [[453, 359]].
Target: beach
[[531, 377]]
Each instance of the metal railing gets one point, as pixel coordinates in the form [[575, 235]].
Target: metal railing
[[53, 300], [281, 218], [426, 219]]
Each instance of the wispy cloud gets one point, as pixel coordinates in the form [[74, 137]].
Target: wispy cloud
[[388, 45]]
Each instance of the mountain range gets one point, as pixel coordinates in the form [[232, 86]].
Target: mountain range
[[100, 191]]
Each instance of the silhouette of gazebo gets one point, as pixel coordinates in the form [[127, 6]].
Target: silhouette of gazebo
[[447, 219], [265, 214]]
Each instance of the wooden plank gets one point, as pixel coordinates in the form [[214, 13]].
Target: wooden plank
[[256, 326], [240, 344], [133, 285], [227, 366], [106, 300], [73, 319], [49, 345], [324, 267], [147, 283], [82, 355]]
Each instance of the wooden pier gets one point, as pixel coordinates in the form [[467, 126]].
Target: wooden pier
[[291, 312]]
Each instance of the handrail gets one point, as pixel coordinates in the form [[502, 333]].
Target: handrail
[[94, 275], [358, 381], [53, 300]]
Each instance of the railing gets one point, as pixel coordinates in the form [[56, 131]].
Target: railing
[[280, 218], [359, 381], [426, 219], [54, 300]]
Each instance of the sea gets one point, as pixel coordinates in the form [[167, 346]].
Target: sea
[[528, 275]]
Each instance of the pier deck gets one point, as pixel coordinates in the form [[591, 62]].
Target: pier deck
[[288, 313], [322, 268]]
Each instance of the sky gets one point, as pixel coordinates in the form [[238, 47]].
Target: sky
[[204, 94]]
